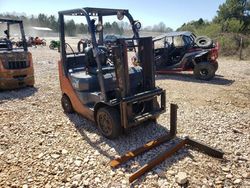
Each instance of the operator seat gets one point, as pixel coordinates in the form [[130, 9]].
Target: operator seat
[[90, 59], [91, 63]]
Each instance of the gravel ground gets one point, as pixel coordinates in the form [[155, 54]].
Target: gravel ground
[[40, 146]]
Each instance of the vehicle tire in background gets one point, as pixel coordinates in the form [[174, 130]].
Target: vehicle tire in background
[[203, 41], [204, 71], [66, 104], [51, 46], [216, 66], [108, 121]]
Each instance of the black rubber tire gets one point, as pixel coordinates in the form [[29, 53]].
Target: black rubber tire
[[203, 41], [204, 71], [156, 105], [51, 46], [108, 122], [66, 104], [216, 65]]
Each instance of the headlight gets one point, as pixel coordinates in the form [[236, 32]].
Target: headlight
[[99, 27], [137, 25]]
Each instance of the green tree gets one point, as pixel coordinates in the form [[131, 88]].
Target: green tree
[[81, 28], [107, 27], [53, 24], [234, 9], [194, 26], [161, 27], [70, 28], [42, 20], [232, 25], [116, 29], [200, 22]]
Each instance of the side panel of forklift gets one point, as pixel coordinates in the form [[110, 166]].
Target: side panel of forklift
[[16, 70], [68, 90]]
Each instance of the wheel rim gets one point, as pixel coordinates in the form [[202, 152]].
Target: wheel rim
[[204, 72], [105, 123]]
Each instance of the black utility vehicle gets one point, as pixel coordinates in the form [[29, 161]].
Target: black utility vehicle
[[183, 51], [112, 39]]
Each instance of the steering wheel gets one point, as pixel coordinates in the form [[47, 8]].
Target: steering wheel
[[166, 44], [107, 53]]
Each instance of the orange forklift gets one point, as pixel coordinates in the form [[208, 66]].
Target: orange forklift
[[99, 83], [16, 66]]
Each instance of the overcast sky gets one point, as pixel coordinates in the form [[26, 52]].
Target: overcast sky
[[172, 12]]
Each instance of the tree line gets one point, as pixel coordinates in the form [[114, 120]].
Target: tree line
[[232, 16], [230, 27], [52, 22], [72, 28]]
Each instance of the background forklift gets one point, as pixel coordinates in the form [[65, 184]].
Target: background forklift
[[16, 66], [100, 84]]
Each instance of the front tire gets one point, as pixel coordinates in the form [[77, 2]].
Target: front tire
[[204, 71], [108, 121], [66, 104]]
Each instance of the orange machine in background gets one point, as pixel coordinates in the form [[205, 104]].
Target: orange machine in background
[[16, 66]]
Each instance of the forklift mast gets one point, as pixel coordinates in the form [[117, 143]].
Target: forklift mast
[[148, 91]]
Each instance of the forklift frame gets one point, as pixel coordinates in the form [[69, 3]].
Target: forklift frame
[[20, 22], [124, 99]]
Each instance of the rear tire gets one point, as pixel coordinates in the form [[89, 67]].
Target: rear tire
[[66, 104], [204, 71], [108, 121]]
